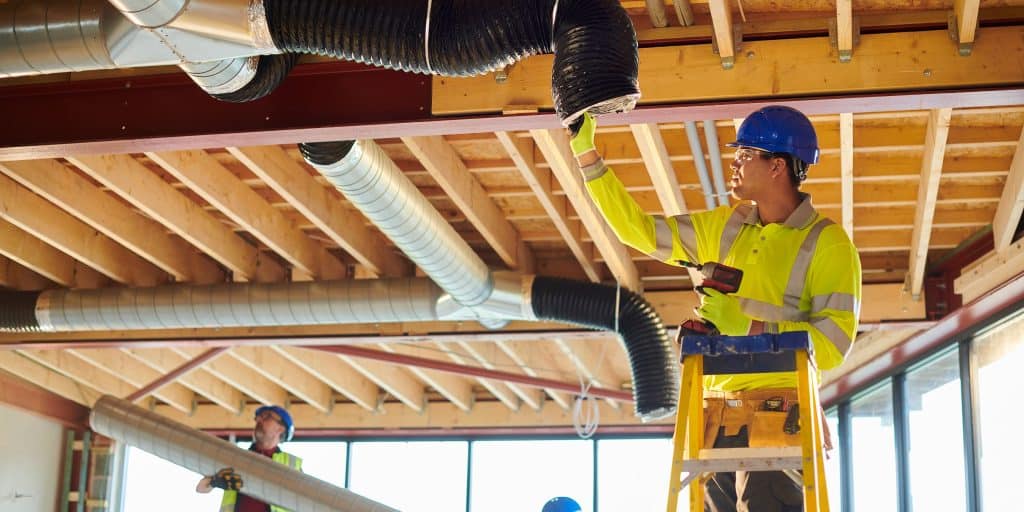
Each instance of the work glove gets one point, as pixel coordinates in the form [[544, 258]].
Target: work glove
[[582, 133], [226, 479], [724, 311]]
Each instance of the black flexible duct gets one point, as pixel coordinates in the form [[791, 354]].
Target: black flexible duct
[[270, 72], [653, 362], [595, 66], [18, 311], [325, 153]]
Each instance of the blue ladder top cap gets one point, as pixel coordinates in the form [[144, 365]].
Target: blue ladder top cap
[[713, 346]]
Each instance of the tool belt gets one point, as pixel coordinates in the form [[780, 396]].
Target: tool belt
[[772, 417]]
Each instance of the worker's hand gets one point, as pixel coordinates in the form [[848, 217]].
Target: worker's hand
[[582, 133], [226, 479], [725, 312]]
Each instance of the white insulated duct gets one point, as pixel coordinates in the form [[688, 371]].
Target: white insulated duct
[[262, 478]]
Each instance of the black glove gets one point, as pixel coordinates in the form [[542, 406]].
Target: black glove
[[226, 479]]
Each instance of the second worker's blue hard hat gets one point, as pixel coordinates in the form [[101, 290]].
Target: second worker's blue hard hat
[[779, 129], [286, 419], [562, 504]]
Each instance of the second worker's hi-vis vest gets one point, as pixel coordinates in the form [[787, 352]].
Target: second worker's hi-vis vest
[[800, 275], [227, 503]]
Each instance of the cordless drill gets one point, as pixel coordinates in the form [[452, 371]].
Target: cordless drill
[[720, 277]]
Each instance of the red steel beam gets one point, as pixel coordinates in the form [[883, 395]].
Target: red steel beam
[[188, 366], [474, 371], [456, 432], [35, 400], [971, 315]]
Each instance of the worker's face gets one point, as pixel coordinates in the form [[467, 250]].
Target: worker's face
[[269, 429], [753, 171]]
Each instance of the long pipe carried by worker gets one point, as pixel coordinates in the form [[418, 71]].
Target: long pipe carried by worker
[[205, 454]]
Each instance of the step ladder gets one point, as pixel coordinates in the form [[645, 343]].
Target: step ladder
[[692, 464]]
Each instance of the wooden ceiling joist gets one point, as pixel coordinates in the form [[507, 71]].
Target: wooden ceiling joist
[[461, 352], [927, 194], [453, 388], [966, 12], [395, 380], [844, 29], [200, 381], [130, 370], [846, 169], [335, 373], [492, 357], [240, 376], [518, 352], [17, 277], [44, 259], [721, 21], [286, 374], [38, 374], [1011, 203]]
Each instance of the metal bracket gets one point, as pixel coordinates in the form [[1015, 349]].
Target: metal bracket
[[833, 38], [737, 45], [964, 49]]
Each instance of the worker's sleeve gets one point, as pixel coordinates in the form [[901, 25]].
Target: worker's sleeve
[[834, 281], [665, 239]]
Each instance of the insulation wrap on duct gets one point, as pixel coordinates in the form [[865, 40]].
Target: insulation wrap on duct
[[205, 454]]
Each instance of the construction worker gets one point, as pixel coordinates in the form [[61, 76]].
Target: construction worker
[[273, 426], [561, 504], [801, 273]]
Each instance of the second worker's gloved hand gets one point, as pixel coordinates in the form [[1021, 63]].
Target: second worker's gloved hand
[[725, 312], [582, 133], [226, 479]]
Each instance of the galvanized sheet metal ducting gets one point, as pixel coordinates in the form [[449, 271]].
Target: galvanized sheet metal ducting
[[205, 454]]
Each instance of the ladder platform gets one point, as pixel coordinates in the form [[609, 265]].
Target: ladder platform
[[716, 460], [761, 353]]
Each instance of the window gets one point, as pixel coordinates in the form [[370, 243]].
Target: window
[[632, 474], [518, 476], [874, 451], [417, 476], [999, 358], [153, 484], [832, 463], [322, 459], [935, 439]]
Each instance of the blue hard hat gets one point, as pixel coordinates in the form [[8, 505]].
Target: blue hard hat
[[779, 129], [562, 504], [286, 418]]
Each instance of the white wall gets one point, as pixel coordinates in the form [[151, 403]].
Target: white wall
[[30, 462]]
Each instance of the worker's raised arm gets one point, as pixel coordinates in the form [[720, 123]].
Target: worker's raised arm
[[654, 235]]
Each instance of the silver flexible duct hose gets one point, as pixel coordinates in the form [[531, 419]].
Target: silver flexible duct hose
[[205, 454], [375, 185]]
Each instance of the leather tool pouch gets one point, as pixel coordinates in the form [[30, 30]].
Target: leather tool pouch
[[767, 430]]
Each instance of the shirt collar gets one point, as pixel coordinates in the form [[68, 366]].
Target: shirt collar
[[253, 448], [801, 217]]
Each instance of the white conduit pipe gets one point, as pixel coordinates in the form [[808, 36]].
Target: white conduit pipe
[[700, 164], [262, 478], [715, 155]]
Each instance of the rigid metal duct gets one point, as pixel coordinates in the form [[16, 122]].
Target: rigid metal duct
[[700, 164], [205, 454], [715, 155]]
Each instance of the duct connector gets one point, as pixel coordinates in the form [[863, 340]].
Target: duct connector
[[205, 454]]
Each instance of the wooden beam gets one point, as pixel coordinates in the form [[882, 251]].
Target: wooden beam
[[990, 271], [42, 376], [521, 355], [846, 168], [554, 144], [345, 227], [684, 12], [17, 277], [704, 81], [927, 193], [1011, 203], [656, 12], [335, 373], [659, 166], [448, 169], [121, 366], [721, 20], [392, 379], [456, 352], [555, 206], [240, 376], [56, 227], [492, 357], [45, 260], [144, 190], [22, 394], [966, 12], [454, 388], [288, 375], [200, 381], [74, 194], [69, 364], [205, 176], [844, 29]]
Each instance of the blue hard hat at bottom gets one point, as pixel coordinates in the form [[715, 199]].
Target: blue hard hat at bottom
[[562, 504]]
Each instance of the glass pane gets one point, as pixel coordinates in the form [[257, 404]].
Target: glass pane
[[874, 451], [324, 460], [520, 476], [936, 435], [832, 472], [632, 474], [419, 476], [154, 485], [999, 356]]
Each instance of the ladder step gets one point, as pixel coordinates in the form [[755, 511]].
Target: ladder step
[[717, 460]]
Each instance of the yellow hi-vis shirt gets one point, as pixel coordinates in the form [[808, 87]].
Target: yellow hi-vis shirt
[[801, 275]]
